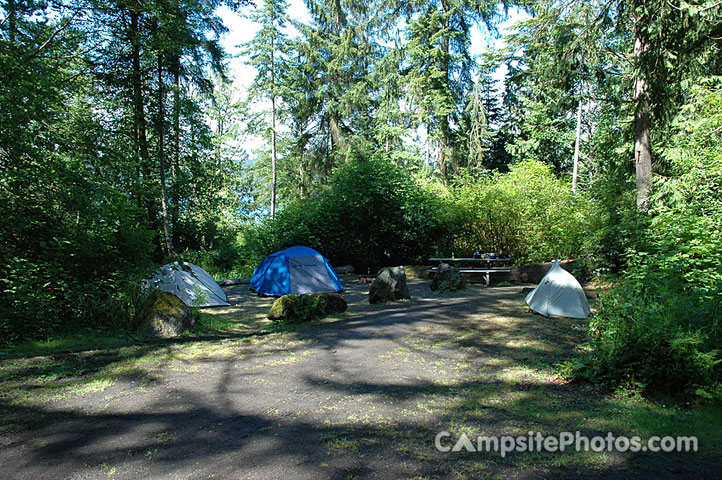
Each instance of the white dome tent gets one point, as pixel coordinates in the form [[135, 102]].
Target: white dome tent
[[193, 285], [558, 294]]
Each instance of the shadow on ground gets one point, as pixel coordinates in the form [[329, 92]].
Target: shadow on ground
[[362, 395]]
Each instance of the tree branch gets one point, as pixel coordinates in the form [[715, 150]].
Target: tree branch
[[65, 23]]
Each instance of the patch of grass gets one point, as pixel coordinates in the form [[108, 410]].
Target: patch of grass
[[165, 437], [75, 342], [340, 445], [230, 320], [107, 469]]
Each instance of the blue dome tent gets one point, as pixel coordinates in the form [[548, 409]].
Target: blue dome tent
[[295, 270]]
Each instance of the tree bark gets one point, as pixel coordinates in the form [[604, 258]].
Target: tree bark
[[444, 120], [273, 130], [175, 168], [12, 22], [302, 177], [337, 140], [577, 141], [441, 155], [140, 125], [642, 144], [161, 157]]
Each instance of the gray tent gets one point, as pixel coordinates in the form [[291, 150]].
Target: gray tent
[[558, 295], [190, 283]]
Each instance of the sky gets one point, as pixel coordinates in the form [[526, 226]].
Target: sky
[[242, 30]]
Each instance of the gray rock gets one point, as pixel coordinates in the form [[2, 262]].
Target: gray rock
[[345, 269], [332, 303], [447, 279], [389, 286], [164, 315]]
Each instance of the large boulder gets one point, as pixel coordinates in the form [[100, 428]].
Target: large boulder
[[447, 279], [282, 307], [345, 269], [309, 306], [332, 303], [389, 286], [164, 315]]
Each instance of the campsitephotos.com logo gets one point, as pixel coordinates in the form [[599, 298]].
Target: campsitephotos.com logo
[[573, 441]]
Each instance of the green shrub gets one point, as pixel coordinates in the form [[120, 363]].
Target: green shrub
[[372, 213], [62, 286], [529, 213]]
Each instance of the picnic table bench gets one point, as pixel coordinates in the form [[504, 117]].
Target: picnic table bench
[[485, 266]]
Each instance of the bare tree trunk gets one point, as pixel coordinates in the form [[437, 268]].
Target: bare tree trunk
[[273, 131], [444, 120], [12, 21], [388, 122], [575, 171], [428, 144], [642, 143], [140, 125], [441, 155], [337, 140], [302, 177], [175, 168], [161, 157]]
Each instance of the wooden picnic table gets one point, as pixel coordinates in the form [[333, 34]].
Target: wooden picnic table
[[486, 265]]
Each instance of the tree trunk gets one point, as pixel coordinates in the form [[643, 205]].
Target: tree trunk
[[642, 144], [441, 155], [444, 120], [302, 177], [337, 140], [175, 168], [428, 144], [140, 125], [161, 157], [575, 171], [273, 131], [12, 22]]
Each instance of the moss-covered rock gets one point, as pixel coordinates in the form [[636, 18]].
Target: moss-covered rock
[[163, 314], [282, 308], [306, 307]]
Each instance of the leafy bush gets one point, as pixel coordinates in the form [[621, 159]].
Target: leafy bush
[[529, 213], [50, 294], [660, 326], [372, 213]]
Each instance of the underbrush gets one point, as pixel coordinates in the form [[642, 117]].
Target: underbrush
[[660, 328]]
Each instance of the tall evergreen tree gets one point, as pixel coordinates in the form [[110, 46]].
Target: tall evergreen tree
[[440, 74], [267, 51]]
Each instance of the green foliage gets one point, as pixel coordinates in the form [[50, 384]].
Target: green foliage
[[79, 189], [661, 325], [372, 213], [528, 213]]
